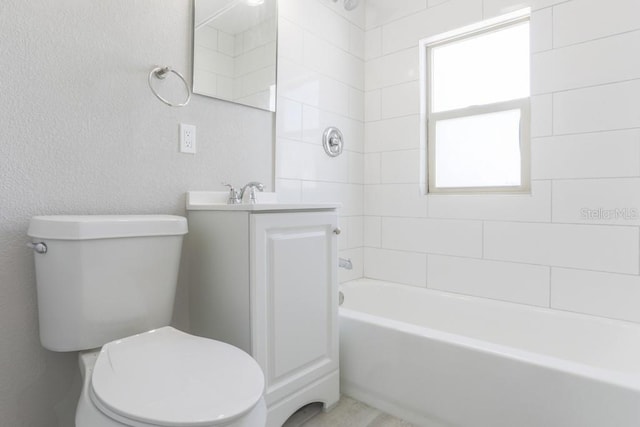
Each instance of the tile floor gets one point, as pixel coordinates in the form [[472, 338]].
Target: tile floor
[[347, 413]]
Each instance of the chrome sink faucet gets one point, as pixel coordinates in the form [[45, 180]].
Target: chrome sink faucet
[[252, 186], [236, 196]]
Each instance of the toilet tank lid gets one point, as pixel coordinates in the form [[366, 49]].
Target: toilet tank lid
[[86, 227]]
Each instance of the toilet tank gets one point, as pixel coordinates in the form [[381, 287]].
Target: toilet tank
[[104, 277]]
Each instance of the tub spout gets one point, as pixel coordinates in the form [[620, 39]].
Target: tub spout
[[345, 263]]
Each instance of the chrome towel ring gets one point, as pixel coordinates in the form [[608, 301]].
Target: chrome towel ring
[[161, 73]]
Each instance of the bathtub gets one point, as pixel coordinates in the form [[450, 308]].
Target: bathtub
[[437, 359]]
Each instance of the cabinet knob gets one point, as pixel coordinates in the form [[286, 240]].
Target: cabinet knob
[[337, 231]]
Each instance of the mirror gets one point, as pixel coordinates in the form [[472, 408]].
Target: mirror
[[234, 51]]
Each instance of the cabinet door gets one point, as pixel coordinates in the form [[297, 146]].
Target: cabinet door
[[294, 298]]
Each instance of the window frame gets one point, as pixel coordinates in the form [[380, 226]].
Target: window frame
[[429, 118]]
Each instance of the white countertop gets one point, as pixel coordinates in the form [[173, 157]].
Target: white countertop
[[266, 201]]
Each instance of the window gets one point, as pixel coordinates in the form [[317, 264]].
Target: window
[[476, 107]]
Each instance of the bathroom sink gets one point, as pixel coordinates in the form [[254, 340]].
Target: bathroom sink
[[265, 201]]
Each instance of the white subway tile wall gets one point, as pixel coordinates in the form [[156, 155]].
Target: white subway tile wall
[[579, 21], [400, 133], [590, 247], [541, 30], [597, 201], [587, 155], [405, 32], [407, 268], [534, 207], [597, 108], [321, 81], [565, 245], [541, 115], [572, 244], [401, 200], [597, 293], [508, 281]]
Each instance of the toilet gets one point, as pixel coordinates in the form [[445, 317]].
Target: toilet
[[106, 287]]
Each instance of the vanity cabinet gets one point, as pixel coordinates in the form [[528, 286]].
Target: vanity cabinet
[[265, 280]]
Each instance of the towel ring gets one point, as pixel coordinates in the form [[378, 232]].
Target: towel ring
[[161, 73]]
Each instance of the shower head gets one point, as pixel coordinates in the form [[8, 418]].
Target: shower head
[[349, 4]]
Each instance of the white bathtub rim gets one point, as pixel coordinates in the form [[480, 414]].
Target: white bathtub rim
[[627, 381], [488, 303]]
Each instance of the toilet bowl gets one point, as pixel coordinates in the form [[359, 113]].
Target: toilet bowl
[[106, 287]]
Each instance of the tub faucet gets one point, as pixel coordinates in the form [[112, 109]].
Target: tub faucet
[[252, 186], [345, 263]]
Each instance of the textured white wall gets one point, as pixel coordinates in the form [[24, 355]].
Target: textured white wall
[[320, 84], [538, 249], [82, 133]]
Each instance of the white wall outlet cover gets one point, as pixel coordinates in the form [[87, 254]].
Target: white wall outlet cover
[[187, 138]]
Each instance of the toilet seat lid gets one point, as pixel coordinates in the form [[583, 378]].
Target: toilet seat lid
[[169, 378]]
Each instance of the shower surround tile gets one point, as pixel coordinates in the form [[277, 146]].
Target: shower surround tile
[[373, 44], [380, 12], [614, 201], [409, 268], [506, 281], [573, 66], [400, 100], [590, 247], [541, 30], [392, 69], [586, 155], [578, 21], [372, 230], [399, 133], [534, 207], [400, 167], [585, 149], [372, 168], [321, 84], [406, 32], [372, 105], [402, 200], [601, 294], [437, 236], [617, 107]]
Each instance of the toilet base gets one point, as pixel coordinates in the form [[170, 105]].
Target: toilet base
[[88, 415], [325, 390]]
